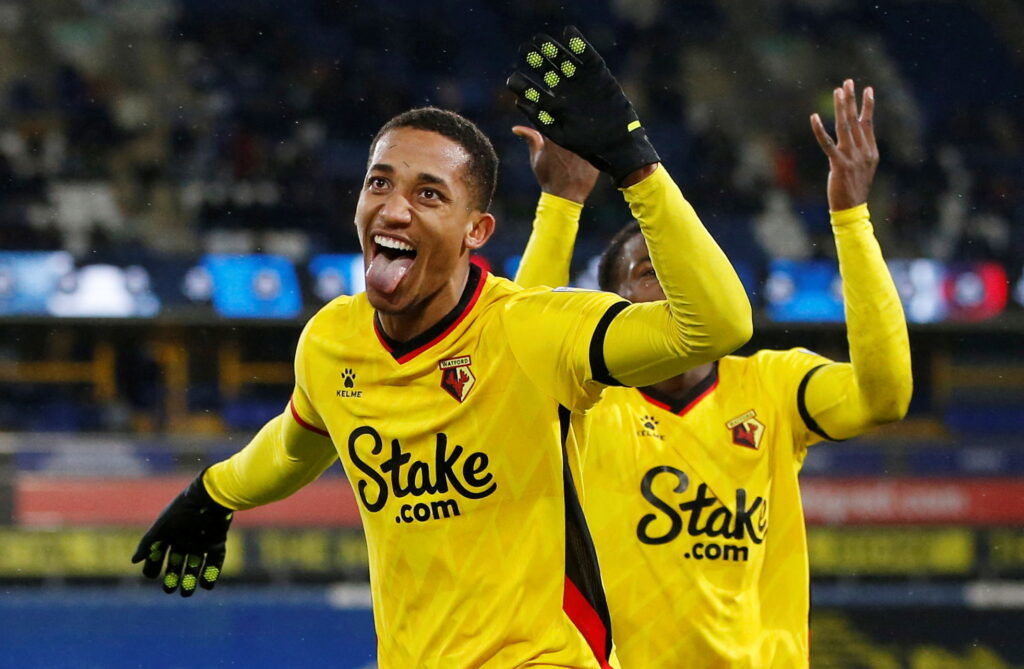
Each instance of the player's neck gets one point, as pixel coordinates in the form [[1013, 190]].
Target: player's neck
[[678, 386], [420, 317]]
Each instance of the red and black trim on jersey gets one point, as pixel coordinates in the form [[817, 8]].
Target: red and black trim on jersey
[[691, 398], [598, 367], [404, 351], [801, 406], [583, 599], [304, 423]]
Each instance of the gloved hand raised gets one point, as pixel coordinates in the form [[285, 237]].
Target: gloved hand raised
[[570, 96]]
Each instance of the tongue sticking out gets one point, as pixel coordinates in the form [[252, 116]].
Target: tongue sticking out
[[384, 274]]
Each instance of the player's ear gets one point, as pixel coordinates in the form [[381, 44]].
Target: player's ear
[[479, 230]]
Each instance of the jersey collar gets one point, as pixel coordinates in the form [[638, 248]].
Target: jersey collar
[[404, 351], [680, 406]]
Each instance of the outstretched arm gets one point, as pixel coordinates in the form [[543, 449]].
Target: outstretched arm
[[283, 457], [290, 451], [845, 399], [565, 181]]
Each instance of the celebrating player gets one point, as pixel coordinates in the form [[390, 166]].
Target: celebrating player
[[691, 483], [454, 398]]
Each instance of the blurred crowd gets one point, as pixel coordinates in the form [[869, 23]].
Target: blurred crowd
[[133, 129]]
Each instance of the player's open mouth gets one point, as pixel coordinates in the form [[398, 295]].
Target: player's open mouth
[[392, 257]]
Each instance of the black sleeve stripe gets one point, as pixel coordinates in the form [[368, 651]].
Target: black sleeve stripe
[[598, 369], [801, 405]]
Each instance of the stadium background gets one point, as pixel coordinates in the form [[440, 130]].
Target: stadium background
[[176, 181]]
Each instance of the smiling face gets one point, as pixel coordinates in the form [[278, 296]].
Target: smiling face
[[635, 279], [417, 220]]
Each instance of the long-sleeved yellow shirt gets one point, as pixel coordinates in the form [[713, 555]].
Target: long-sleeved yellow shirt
[[461, 445], [706, 315], [682, 491], [844, 399]]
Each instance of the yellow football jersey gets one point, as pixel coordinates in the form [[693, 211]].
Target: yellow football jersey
[[682, 497], [456, 445]]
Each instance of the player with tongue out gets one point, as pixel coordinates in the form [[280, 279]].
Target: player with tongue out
[[454, 398], [422, 211]]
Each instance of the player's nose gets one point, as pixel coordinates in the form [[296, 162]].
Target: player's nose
[[396, 210]]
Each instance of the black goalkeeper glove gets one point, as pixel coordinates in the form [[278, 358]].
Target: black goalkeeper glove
[[194, 530], [570, 96]]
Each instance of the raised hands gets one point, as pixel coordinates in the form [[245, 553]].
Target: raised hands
[[559, 171], [854, 157], [567, 92]]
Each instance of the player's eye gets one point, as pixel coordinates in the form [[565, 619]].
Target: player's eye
[[376, 183], [646, 271], [432, 195]]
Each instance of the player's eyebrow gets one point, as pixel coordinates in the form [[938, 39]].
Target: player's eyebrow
[[640, 261], [428, 178], [422, 177]]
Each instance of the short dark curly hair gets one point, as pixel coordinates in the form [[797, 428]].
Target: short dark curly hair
[[482, 170], [608, 265]]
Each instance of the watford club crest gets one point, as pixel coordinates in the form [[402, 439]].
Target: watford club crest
[[456, 377], [746, 430]]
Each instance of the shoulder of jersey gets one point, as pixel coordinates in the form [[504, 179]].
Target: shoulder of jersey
[[344, 302], [767, 355], [512, 289], [769, 366], [745, 368], [742, 360], [502, 286], [345, 308], [500, 290]]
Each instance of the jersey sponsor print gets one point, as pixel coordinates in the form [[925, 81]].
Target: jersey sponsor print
[[459, 446], [695, 508]]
